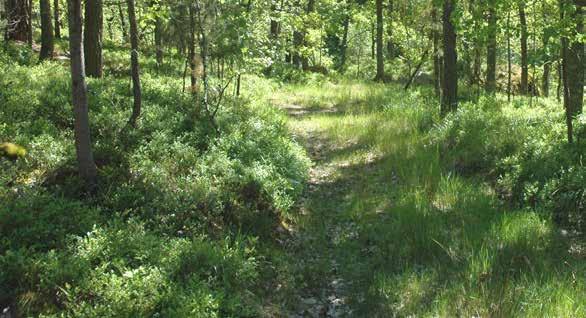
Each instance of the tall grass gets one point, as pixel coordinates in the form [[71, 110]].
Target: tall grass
[[418, 238]]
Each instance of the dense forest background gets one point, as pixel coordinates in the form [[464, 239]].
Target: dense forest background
[[292, 158]]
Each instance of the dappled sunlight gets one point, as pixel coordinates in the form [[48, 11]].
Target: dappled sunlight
[[415, 238]]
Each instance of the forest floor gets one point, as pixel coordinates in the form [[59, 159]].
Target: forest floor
[[322, 222], [385, 230], [345, 173]]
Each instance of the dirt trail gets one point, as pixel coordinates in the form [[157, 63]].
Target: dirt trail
[[327, 293]]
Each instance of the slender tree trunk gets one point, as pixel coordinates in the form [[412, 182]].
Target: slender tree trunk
[[297, 43], [524, 54], [437, 59], [47, 46], [304, 59], [18, 28], [372, 40], [203, 47], [57, 19], [159, 39], [380, 62], [450, 82], [560, 81], [417, 68], [545, 79], [475, 11], [92, 40], [136, 89], [238, 80], [390, 45], [565, 77], [192, 64], [491, 49], [476, 65], [344, 46], [85, 158], [574, 62], [122, 22], [274, 26], [30, 22], [547, 65], [509, 58]]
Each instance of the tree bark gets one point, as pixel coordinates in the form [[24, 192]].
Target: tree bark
[[476, 11], [380, 63], [344, 46], [524, 54], [18, 28], [47, 46], [30, 22], [159, 39], [92, 40], [191, 50], [547, 65], [122, 22], [390, 44], [57, 19], [491, 49], [297, 43], [304, 59], [85, 158], [450, 82], [437, 59], [135, 71], [509, 58], [574, 62]]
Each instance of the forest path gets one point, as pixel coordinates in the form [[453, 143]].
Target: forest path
[[324, 224], [320, 225]]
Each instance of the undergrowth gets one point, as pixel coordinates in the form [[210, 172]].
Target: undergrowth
[[477, 214], [175, 225]]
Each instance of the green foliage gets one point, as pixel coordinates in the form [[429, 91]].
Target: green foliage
[[172, 229], [414, 237], [521, 149]]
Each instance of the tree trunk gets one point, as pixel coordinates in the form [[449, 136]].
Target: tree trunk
[[509, 58], [344, 46], [192, 64], [560, 81], [304, 59], [136, 89], [274, 27], [524, 56], [545, 79], [18, 28], [30, 22], [437, 59], [417, 68], [574, 62], [297, 43], [122, 22], [380, 63], [92, 38], [390, 45], [57, 19], [47, 46], [372, 40], [547, 64], [85, 158], [491, 49], [159, 39], [450, 82], [475, 11]]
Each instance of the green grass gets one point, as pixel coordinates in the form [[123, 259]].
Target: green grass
[[412, 237], [417, 216]]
